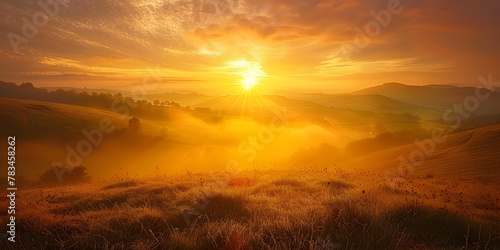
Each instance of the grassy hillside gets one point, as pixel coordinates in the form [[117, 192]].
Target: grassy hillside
[[44, 130], [57, 114], [468, 154], [31, 114], [260, 210]]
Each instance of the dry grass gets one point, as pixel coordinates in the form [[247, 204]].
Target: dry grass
[[261, 210]]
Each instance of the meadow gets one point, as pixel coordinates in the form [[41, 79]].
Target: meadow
[[301, 209], [329, 175]]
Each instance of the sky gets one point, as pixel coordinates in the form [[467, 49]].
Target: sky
[[215, 46]]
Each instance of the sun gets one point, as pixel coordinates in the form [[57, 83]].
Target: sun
[[249, 82], [250, 73]]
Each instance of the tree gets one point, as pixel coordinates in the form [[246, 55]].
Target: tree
[[119, 96], [379, 129], [134, 124], [203, 110], [27, 85], [174, 104], [65, 175]]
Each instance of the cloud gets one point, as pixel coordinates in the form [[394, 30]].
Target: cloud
[[287, 37]]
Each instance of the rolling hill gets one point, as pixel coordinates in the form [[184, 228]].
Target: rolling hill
[[438, 97], [45, 130], [468, 154], [39, 113], [367, 102]]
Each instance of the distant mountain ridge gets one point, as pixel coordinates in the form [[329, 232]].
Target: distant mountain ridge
[[367, 102], [439, 97]]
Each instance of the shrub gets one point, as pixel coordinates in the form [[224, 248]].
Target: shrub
[[67, 175]]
